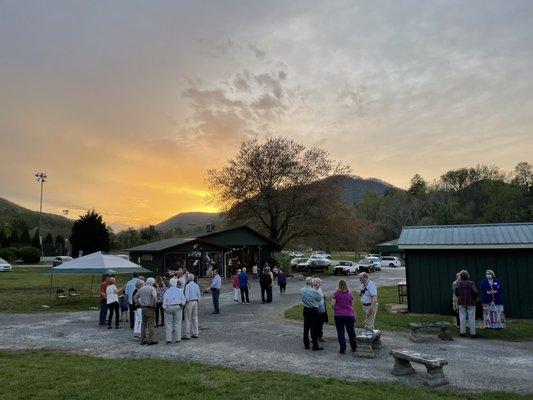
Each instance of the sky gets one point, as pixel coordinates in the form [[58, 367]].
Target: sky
[[126, 104]]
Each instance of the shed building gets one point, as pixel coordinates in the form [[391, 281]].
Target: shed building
[[225, 249], [434, 254]]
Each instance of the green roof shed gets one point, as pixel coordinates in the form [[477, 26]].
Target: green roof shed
[[434, 254]]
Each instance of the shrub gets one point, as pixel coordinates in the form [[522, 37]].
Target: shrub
[[283, 260], [9, 254], [29, 254]]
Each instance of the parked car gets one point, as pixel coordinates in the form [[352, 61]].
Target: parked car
[[389, 261], [376, 261], [322, 254], [366, 265], [314, 264], [5, 266], [345, 268], [296, 261], [296, 254], [60, 260], [374, 255]]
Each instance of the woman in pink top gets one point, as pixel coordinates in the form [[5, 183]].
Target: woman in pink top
[[344, 315]]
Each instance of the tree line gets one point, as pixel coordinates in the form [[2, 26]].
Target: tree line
[[475, 195]]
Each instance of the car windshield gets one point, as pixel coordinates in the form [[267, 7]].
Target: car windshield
[[364, 262], [2, 261]]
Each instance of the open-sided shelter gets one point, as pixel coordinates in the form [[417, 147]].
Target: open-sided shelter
[[224, 249], [434, 254]]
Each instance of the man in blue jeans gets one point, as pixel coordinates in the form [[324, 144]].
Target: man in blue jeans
[[103, 301]]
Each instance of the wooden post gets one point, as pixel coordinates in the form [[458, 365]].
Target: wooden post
[[50, 290]]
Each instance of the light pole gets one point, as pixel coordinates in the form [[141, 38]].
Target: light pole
[[65, 213], [41, 177]]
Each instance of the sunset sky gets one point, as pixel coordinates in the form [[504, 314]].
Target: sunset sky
[[126, 104]]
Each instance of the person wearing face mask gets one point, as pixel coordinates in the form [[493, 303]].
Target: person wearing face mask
[[492, 300]]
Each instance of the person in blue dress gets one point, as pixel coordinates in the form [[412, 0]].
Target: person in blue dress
[[492, 300]]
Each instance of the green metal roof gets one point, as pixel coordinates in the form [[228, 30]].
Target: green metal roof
[[162, 244], [479, 236], [224, 238]]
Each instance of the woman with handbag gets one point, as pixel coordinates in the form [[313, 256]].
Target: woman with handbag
[[492, 300]]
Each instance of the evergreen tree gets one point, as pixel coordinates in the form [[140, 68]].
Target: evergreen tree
[[49, 239], [3, 239], [25, 238], [90, 234], [35, 240], [13, 238]]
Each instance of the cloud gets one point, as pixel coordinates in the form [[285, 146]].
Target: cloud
[[259, 53]]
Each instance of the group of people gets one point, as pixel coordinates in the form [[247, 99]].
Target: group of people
[[315, 311], [154, 302], [241, 284], [465, 295]]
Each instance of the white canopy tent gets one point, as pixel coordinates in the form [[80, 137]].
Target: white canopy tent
[[96, 264]]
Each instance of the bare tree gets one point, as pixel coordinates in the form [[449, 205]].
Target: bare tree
[[279, 186]]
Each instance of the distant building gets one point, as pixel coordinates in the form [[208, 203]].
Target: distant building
[[225, 249], [434, 254], [389, 248]]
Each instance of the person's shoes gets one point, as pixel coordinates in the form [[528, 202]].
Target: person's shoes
[[322, 340], [473, 336], [247, 302], [354, 350], [341, 352], [462, 334], [168, 342], [117, 327], [306, 347], [144, 342], [152, 342], [195, 337], [185, 338], [109, 327], [216, 312], [318, 349], [243, 302]]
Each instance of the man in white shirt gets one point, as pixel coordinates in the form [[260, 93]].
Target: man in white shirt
[[369, 301], [216, 284], [192, 297], [173, 302]]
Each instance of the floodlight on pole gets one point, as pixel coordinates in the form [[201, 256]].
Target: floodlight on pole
[[65, 213], [41, 177]]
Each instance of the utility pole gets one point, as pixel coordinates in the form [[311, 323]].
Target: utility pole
[[41, 177]]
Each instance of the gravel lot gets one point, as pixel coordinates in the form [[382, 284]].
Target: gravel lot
[[256, 336]]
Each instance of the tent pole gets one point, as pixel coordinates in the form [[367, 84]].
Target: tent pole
[[50, 290]]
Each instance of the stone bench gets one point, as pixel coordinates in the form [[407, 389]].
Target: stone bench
[[367, 342], [434, 366], [416, 327]]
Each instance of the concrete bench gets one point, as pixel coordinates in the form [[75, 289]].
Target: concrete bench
[[416, 327], [367, 342], [434, 366]]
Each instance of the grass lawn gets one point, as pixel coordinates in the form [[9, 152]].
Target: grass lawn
[[51, 375], [26, 289], [517, 329]]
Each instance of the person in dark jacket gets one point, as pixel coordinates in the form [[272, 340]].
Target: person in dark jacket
[[282, 281], [265, 281], [466, 292], [244, 286], [492, 300]]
